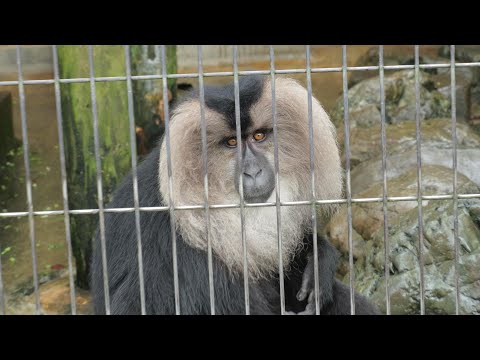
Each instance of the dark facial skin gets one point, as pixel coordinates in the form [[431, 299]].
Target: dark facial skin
[[257, 173]]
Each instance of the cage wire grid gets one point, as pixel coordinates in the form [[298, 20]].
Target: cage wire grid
[[313, 202]]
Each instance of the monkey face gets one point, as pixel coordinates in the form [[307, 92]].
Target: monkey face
[[257, 168], [215, 149], [257, 174]]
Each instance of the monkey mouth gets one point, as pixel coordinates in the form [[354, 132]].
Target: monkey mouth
[[257, 196]]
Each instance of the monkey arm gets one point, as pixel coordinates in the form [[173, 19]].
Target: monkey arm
[[327, 266], [334, 295]]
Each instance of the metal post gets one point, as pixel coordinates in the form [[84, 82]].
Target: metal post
[[28, 180], [348, 189], [98, 162], [385, 189], [133, 150], [63, 171], [240, 181]]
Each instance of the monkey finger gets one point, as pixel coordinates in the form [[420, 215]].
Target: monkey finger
[[307, 282], [302, 293], [310, 309]]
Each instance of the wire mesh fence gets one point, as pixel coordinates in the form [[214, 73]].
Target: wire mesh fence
[[30, 213]]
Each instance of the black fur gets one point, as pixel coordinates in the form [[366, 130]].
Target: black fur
[[222, 99], [122, 264], [122, 260], [340, 304]]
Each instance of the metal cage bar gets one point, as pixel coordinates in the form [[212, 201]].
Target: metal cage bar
[[240, 178], [2, 295], [233, 206], [312, 179], [384, 185], [348, 189], [170, 180], [455, 180], [277, 182], [136, 203], [63, 172], [241, 73], [313, 202], [419, 181], [28, 180], [201, 86], [98, 162]]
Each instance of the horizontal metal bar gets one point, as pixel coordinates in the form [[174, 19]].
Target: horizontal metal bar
[[242, 73], [236, 206]]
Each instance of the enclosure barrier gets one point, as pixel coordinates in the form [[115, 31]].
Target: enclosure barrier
[[313, 202]]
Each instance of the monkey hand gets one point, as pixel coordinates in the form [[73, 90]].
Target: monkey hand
[[327, 265], [307, 291]]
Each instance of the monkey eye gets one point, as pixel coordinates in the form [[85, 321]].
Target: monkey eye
[[259, 136], [231, 142]]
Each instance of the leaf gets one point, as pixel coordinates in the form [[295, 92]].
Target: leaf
[[6, 250]]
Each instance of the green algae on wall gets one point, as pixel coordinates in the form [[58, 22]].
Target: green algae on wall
[[113, 129]]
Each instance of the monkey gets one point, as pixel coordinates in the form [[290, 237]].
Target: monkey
[[181, 182], [334, 298]]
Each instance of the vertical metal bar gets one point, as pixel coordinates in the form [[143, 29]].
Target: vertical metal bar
[[28, 181], [277, 182], [347, 171], [240, 180], [98, 162], [312, 178], [201, 86], [2, 298], [170, 180], [419, 182], [136, 204], [455, 197], [384, 170], [63, 172]]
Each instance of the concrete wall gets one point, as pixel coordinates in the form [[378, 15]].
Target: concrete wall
[[35, 59], [38, 58]]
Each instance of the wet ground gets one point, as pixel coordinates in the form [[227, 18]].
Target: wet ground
[[50, 246]]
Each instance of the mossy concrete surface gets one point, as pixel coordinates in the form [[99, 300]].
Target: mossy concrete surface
[[113, 130]]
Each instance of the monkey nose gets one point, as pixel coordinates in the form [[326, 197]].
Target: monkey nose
[[252, 173]]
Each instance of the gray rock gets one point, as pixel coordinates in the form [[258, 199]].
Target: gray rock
[[465, 78], [401, 149], [398, 56], [399, 100], [371, 58], [438, 253], [437, 179], [463, 53], [475, 107], [439, 261], [371, 171]]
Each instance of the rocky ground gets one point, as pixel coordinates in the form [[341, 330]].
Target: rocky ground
[[437, 179]]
